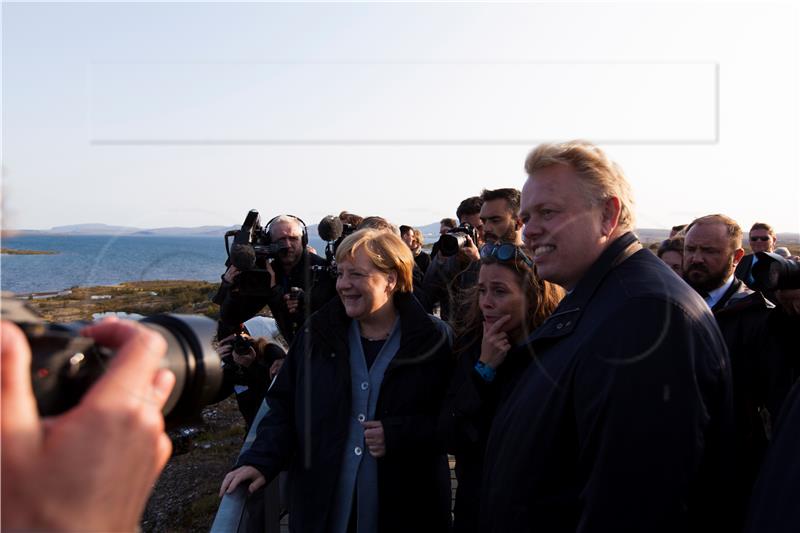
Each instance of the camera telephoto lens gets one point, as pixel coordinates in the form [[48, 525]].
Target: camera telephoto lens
[[65, 364]]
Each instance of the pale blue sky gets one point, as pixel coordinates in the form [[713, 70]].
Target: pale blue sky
[[188, 114]]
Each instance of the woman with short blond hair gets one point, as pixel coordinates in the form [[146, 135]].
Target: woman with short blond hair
[[353, 411]]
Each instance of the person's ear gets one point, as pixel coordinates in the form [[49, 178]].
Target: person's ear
[[391, 281], [611, 211], [737, 255]]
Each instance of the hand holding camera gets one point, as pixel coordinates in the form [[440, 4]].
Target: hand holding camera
[[293, 299], [66, 472], [238, 348]]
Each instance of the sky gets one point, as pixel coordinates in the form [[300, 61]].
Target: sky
[[190, 114]]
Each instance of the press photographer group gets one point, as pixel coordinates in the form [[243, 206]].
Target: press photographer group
[[579, 380]]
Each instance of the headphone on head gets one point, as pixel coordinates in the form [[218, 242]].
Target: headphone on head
[[303, 238]]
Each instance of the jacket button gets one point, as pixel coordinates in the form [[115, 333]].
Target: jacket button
[[364, 385], [559, 325], [568, 323], [333, 354], [357, 450], [361, 417]]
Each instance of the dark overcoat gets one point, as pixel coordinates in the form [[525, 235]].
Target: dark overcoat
[[622, 420], [306, 427]]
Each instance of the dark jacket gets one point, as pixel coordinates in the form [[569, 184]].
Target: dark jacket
[[775, 504], [466, 418], [423, 261], [306, 426], [754, 333], [622, 420]]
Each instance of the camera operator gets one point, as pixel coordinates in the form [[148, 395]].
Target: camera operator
[[91, 468], [295, 288]]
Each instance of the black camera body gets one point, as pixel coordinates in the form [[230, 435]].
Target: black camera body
[[65, 364], [251, 246], [451, 242], [242, 344], [773, 272]]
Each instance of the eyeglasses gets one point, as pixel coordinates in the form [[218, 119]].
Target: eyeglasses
[[760, 238], [505, 252]]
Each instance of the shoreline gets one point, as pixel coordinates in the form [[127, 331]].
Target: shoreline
[[139, 297], [15, 251]]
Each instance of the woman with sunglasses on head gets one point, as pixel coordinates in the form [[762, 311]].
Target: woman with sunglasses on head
[[354, 409], [505, 306]]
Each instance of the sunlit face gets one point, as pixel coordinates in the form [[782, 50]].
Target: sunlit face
[[498, 222], [500, 294], [409, 239], [761, 241], [708, 257], [291, 235], [363, 288], [674, 260], [475, 222], [561, 229]]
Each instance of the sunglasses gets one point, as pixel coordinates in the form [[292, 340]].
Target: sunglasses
[[505, 252], [759, 239]]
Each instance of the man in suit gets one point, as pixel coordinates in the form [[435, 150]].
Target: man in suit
[[756, 332], [762, 239]]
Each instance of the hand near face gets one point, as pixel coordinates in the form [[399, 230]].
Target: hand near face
[[230, 274], [470, 251], [495, 344], [374, 438], [271, 273], [245, 360], [93, 467]]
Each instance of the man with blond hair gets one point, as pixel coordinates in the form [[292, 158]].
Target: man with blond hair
[[621, 422]]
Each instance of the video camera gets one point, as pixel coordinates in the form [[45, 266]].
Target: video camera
[[333, 231], [773, 272], [65, 364], [451, 242], [248, 250]]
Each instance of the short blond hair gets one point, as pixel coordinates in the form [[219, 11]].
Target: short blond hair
[[600, 177], [387, 252]]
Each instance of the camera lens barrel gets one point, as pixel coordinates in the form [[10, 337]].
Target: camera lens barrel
[[191, 358], [66, 364]]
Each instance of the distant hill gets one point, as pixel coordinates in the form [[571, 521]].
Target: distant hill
[[430, 231]]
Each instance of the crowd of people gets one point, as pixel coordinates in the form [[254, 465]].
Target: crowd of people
[[581, 381]]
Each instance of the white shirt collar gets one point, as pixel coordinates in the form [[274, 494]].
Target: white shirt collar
[[715, 295]]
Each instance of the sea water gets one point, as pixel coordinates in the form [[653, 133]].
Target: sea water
[[89, 260]]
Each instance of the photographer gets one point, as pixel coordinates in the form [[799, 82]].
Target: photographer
[[453, 270], [494, 215], [249, 365], [293, 288], [91, 468]]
